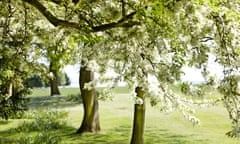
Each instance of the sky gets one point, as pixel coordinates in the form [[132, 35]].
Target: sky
[[191, 74], [73, 73], [194, 75]]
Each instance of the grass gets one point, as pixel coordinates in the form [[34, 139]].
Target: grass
[[116, 121]]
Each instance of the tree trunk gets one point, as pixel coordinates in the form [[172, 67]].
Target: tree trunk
[[9, 92], [139, 119], [54, 81], [90, 121]]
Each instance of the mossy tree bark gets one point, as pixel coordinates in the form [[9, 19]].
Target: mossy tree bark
[[54, 80], [90, 121], [139, 119]]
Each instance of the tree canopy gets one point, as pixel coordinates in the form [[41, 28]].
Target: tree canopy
[[142, 39]]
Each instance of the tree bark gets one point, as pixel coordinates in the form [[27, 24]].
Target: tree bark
[[9, 91], [54, 81], [90, 121], [139, 119]]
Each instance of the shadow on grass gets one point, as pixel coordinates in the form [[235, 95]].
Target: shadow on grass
[[4, 122], [163, 136], [12, 135], [117, 135], [99, 138], [4, 140], [122, 134], [55, 101]]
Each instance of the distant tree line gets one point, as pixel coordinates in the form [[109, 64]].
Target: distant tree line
[[40, 81]]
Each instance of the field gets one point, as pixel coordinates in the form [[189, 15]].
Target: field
[[116, 121]]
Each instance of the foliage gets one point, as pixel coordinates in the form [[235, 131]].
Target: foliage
[[174, 35], [230, 88], [41, 81], [55, 45], [16, 57], [225, 18], [142, 39], [158, 48], [74, 98], [198, 90], [43, 121], [35, 81], [14, 107], [40, 138]]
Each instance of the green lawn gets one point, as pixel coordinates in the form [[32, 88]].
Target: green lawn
[[116, 121]]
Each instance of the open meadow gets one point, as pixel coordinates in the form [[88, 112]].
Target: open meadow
[[53, 120]]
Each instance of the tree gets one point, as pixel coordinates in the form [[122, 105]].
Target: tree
[[139, 118], [16, 59], [40, 80], [35, 81], [85, 26], [226, 22], [90, 121], [53, 80], [164, 36], [162, 47], [59, 53], [57, 48]]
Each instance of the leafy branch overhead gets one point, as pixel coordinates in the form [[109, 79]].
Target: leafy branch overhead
[[126, 20]]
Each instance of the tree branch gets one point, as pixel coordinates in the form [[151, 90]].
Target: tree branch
[[56, 1], [51, 18], [123, 8], [206, 39], [125, 21]]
